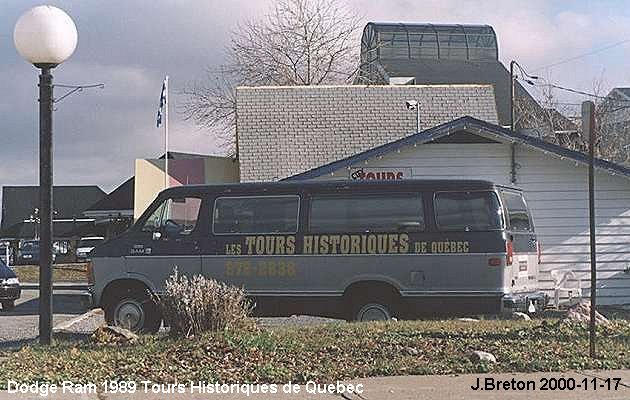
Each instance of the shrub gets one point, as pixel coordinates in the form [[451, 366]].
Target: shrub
[[197, 304]]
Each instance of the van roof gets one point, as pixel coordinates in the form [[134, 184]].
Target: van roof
[[439, 184]]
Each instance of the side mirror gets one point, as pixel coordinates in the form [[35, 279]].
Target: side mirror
[[157, 235]]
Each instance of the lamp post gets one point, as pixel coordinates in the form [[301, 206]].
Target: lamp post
[[414, 105], [45, 36], [512, 91]]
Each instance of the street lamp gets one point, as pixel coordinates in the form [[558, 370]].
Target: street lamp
[[512, 83], [45, 36]]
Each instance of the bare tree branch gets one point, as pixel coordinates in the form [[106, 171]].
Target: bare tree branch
[[559, 123], [299, 42]]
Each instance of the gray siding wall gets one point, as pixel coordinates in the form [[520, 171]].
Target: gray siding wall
[[557, 194], [283, 131]]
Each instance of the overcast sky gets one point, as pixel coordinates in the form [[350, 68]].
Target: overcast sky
[[129, 45]]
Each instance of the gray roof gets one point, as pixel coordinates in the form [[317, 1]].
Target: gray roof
[[388, 40], [624, 90], [283, 131], [120, 199], [19, 202], [177, 155], [454, 127]]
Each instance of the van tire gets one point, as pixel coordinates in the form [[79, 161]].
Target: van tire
[[136, 312], [373, 312], [8, 305], [371, 301]]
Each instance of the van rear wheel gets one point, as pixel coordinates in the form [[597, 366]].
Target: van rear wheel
[[373, 312], [139, 314]]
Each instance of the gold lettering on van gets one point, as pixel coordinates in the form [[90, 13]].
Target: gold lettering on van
[[270, 245], [382, 243], [442, 247]]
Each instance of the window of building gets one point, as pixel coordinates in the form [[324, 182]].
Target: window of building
[[262, 214], [517, 213], [366, 213], [467, 211]]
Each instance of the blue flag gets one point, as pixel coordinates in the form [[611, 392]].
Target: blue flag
[[162, 104]]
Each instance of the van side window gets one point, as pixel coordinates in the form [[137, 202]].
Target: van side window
[[518, 215], [366, 213], [467, 211], [261, 214], [174, 217]]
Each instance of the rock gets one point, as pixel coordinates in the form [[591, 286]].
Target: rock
[[522, 316], [114, 334], [581, 312], [479, 356], [412, 351], [468, 319]]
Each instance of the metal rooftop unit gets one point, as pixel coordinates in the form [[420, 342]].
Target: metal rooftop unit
[[399, 41]]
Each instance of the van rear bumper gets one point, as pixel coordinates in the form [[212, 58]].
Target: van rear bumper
[[521, 301]]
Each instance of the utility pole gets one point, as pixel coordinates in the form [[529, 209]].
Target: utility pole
[[588, 128]]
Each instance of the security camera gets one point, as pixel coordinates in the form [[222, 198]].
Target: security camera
[[411, 104]]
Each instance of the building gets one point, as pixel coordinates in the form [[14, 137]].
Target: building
[[183, 169], [114, 212], [20, 219], [429, 54], [283, 131], [554, 180]]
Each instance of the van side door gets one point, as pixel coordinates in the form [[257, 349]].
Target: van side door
[[252, 242], [167, 240]]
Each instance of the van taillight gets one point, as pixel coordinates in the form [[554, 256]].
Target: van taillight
[[539, 251], [509, 249], [90, 273]]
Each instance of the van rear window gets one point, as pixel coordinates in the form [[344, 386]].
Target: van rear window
[[467, 211], [365, 213], [260, 214], [517, 211]]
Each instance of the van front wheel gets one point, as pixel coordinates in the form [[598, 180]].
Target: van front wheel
[[136, 313]]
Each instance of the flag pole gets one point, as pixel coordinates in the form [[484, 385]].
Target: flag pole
[[166, 134]]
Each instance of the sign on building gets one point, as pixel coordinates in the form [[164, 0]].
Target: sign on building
[[380, 174]]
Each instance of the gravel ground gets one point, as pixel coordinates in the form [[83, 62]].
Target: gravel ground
[[20, 325]]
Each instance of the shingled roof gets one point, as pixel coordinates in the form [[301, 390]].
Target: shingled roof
[[283, 131], [462, 124]]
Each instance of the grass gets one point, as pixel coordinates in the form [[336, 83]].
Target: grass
[[326, 352], [61, 273]]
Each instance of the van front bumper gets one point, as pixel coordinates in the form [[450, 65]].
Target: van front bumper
[[521, 301]]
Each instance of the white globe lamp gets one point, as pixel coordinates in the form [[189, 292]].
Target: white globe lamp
[[45, 36]]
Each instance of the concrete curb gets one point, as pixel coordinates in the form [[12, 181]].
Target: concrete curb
[[66, 327]]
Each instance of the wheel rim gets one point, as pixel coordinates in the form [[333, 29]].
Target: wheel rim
[[374, 312], [129, 314]]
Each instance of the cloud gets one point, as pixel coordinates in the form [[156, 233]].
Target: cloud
[[130, 45]]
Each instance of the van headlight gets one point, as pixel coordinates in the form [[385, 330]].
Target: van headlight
[[12, 281]]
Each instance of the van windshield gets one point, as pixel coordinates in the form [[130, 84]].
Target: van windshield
[[468, 211]]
